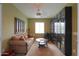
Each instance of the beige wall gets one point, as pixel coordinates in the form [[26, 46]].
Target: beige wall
[[74, 29], [9, 12], [31, 25]]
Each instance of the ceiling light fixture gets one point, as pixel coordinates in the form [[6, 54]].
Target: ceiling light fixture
[[38, 6], [38, 12]]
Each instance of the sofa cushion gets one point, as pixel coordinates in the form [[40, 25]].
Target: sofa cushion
[[25, 36], [17, 37], [21, 37]]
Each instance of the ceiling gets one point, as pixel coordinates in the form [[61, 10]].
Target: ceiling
[[46, 9]]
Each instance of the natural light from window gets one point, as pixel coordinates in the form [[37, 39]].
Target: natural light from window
[[59, 27], [39, 27]]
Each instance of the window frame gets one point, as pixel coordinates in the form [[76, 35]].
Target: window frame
[[38, 32], [59, 31]]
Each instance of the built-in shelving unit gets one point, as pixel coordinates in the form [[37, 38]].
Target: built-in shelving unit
[[65, 42]]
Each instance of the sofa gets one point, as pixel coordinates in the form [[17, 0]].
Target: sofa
[[20, 44]]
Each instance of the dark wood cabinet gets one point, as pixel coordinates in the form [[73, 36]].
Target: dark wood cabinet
[[68, 31]]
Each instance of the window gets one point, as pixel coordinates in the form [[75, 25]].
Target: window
[[19, 26], [59, 27], [39, 27]]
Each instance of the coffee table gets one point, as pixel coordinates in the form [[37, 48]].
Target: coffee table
[[41, 42]]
